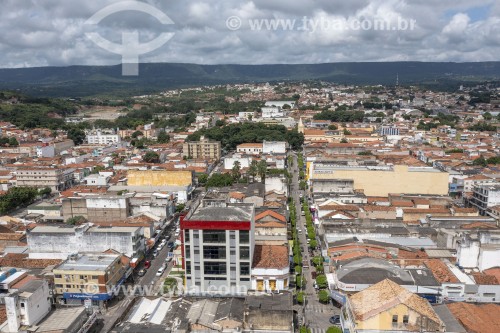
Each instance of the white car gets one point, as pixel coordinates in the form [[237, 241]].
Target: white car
[[160, 271]]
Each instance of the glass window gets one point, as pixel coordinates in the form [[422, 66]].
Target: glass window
[[214, 236], [395, 318], [244, 252], [187, 251], [244, 268], [244, 237], [186, 236], [188, 267], [215, 268], [57, 276], [405, 319], [214, 252]]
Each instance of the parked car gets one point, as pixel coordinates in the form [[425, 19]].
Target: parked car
[[169, 259], [147, 264], [142, 272], [155, 253], [335, 320], [160, 271]]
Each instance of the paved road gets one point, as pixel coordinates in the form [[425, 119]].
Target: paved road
[[118, 306], [315, 313]]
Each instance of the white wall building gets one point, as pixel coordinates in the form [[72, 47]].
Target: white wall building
[[480, 250], [28, 305], [99, 138], [244, 161], [274, 147], [272, 112]]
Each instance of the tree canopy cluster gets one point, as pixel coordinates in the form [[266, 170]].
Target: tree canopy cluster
[[234, 134], [342, 116], [17, 197]]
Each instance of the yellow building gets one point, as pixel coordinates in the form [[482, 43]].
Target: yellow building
[[159, 178], [92, 277], [388, 307], [379, 181]]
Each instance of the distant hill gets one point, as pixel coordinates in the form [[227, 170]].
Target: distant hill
[[79, 81]]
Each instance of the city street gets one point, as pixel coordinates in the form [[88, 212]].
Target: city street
[[315, 313], [117, 307]]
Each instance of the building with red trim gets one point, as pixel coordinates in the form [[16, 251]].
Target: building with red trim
[[218, 248]]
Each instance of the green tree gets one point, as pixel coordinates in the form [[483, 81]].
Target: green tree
[[480, 161], [76, 220], [298, 270], [344, 140], [347, 132], [45, 191], [300, 297], [332, 127], [219, 180], [17, 197], [202, 178], [334, 329], [262, 170], [77, 135], [13, 142], [236, 170], [253, 169], [304, 329], [180, 208], [151, 157], [163, 137], [137, 134], [487, 116], [321, 281], [323, 296]]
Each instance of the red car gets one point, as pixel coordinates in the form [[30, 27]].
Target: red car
[[147, 264]]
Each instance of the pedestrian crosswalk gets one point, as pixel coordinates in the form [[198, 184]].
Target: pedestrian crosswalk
[[318, 308], [317, 330]]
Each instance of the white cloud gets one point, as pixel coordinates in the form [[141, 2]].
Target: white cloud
[[52, 32]]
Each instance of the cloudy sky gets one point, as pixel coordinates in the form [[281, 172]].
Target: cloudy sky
[[56, 32]]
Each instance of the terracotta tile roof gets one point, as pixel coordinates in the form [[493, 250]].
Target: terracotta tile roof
[[440, 271], [464, 210], [237, 195], [385, 295], [479, 225], [377, 199], [21, 260], [271, 256], [3, 314], [425, 211], [494, 271], [477, 318], [25, 280], [270, 213], [485, 279], [402, 203], [250, 145], [340, 207], [373, 208]]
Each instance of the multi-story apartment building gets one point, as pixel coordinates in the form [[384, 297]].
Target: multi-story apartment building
[[218, 246], [204, 148], [485, 196], [57, 179], [100, 138], [91, 277]]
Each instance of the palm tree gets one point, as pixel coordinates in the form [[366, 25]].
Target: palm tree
[[262, 170], [235, 172], [253, 169]]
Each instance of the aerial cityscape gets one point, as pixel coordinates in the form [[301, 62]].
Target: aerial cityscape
[[256, 167]]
